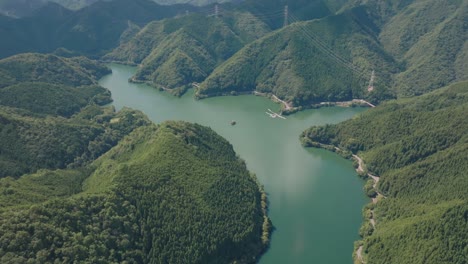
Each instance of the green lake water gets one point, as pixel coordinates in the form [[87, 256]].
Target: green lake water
[[315, 196]]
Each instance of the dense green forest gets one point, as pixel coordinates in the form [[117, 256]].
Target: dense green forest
[[289, 64], [50, 114], [91, 31], [173, 53], [48, 68], [165, 194], [419, 148], [429, 38], [21, 8], [412, 46], [80, 182]]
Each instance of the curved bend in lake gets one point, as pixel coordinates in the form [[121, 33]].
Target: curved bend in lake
[[315, 196]]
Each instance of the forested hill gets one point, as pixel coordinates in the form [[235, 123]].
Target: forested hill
[[50, 114], [51, 69], [21, 8], [83, 183], [413, 47], [419, 148], [51, 85], [166, 194], [330, 59], [173, 53], [90, 31]]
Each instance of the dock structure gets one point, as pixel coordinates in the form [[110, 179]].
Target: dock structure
[[274, 115]]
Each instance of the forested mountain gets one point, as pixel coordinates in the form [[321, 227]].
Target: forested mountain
[[38, 95], [173, 53], [272, 11], [21, 8], [90, 31], [82, 183], [295, 63], [430, 37], [51, 69], [419, 148], [166, 194], [412, 46]]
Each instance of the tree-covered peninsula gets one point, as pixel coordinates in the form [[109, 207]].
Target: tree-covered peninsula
[[80, 182], [419, 149]]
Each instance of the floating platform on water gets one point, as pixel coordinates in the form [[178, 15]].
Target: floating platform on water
[[274, 115]]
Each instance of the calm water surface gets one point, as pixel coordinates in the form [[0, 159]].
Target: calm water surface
[[315, 196]]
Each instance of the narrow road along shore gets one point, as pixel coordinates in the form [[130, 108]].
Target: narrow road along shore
[[360, 169]]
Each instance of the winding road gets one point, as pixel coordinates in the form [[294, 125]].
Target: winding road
[[376, 179]]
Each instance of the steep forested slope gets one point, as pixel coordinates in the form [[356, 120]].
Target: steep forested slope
[[296, 65], [272, 11], [82, 183], [419, 147], [47, 84], [90, 31], [430, 36], [50, 115], [51, 69], [30, 142], [167, 194], [176, 52]]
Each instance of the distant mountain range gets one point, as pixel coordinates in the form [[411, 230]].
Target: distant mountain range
[[91, 31], [327, 52], [20, 8]]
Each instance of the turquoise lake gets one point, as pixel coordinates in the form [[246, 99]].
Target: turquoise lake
[[315, 196]]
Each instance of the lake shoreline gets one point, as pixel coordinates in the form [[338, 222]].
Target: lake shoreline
[[286, 107], [365, 175], [288, 182]]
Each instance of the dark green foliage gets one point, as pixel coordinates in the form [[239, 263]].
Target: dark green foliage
[[52, 99], [36, 93], [429, 37], [90, 31], [176, 52], [270, 11], [29, 142], [50, 69], [419, 147], [47, 84], [82, 183], [290, 64], [169, 194]]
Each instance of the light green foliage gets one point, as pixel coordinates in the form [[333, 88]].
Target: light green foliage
[[29, 142], [40, 187], [83, 183], [291, 65], [419, 147], [50, 69], [430, 36], [178, 193], [37, 126], [176, 52], [52, 99]]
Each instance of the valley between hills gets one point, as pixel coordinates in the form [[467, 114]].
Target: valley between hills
[[84, 182]]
